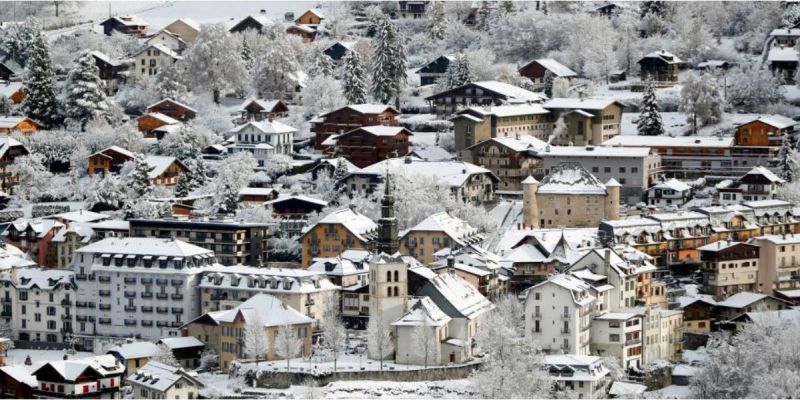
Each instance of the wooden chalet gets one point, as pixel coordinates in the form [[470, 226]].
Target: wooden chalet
[[251, 22], [367, 145], [128, 25], [660, 66], [9, 125], [174, 109], [10, 149], [536, 70], [149, 122], [109, 160], [431, 72], [351, 117], [767, 130], [12, 91], [259, 110]]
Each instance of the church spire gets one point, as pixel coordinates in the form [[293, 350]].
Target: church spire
[[387, 235]]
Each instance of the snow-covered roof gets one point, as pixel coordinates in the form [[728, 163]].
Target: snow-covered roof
[[450, 173], [787, 54], [163, 118], [457, 229], [741, 300], [82, 229], [7, 143], [578, 103], [594, 151], [462, 296], [789, 314], [423, 312], [189, 22], [160, 377], [129, 20], [268, 127], [145, 246], [765, 172], [162, 48], [181, 342], [365, 109], [287, 196], [719, 245], [432, 153], [577, 287], [266, 105], [776, 121], [12, 122], [665, 56], [118, 149], [670, 141], [44, 279], [135, 350], [358, 224], [315, 12], [12, 257], [7, 89], [617, 316], [785, 32], [513, 94], [558, 69], [173, 101], [379, 130], [338, 266], [510, 110], [159, 164], [264, 307], [82, 216], [570, 178], [112, 224], [517, 144], [672, 184], [21, 374], [70, 370]]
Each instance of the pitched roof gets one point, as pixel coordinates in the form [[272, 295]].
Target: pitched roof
[[423, 312], [457, 229], [159, 164], [759, 170], [672, 184], [267, 105], [358, 224], [12, 122], [742, 299], [268, 127], [161, 117], [7, 143], [571, 178], [145, 246], [663, 55], [128, 20], [670, 141], [7, 89], [173, 101], [463, 297], [558, 69], [782, 54], [160, 377], [162, 48], [286, 196], [365, 109], [451, 173], [579, 104], [264, 307], [44, 279], [181, 342], [380, 130], [70, 370], [134, 350], [513, 94]]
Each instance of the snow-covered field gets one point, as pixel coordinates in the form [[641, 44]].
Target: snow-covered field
[[18, 356]]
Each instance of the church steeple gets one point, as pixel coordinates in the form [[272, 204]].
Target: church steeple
[[387, 235]]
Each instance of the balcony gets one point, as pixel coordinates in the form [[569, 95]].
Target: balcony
[[566, 316], [177, 282], [147, 309], [565, 331], [104, 321], [130, 281], [146, 281], [177, 296], [104, 279], [66, 302], [147, 295], [162, 281], [162, 324], [177, 310], [66, 317], [130, 295], [176, 324], [105, 307], [632, 342], [217, 297], [80, 277], [162, 310], [130, 322], [537, 315], [162, 296], [130, 308], [147, 323], [104, 293], [5, 313], [80, 318]]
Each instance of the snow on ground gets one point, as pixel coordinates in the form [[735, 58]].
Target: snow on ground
[[38, 357], [345, 363], [675, 123]]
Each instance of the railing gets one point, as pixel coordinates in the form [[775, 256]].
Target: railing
[[130, 308], [104, 307], [147, 295], [162, 296], [177, 310], [130, 295], [162, 310], [564, 331], [104, 279], [130, 281], [631, 342], [147, 309], [105, 293], [566, 316], [177, 296], [537, 315]]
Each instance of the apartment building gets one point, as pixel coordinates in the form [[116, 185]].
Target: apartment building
[[223, 330], [226, 287], [40, 304], [663, 335], [511, 159], [757, 184], [477, 124], [778, 262], [338, 231], [232, 241], [586, 121], [138, 287], [351, 117], [263, 139], [438, 231], [729, 268], [558, 314], [618, 334], [584, 376], [151, 58]]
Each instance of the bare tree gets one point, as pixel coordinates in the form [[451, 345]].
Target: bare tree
[[379, 337], [255, 339], [426, 339], [287, 344], [165, 356], [334, 333]]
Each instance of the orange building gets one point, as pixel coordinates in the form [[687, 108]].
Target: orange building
[[768, 130], [310, 17], [339, 231], [12, 91], [9, 125], [173, 109], [149, 122]]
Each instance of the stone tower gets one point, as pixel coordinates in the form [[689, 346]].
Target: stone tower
[[612, 199], [387, 225], [530, 208]]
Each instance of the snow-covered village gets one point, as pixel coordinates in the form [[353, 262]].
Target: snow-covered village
[[399, 199]]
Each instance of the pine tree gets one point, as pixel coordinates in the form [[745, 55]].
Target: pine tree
[[438, 20], [483, 16], [247, 55], [389, 70], [40, 102], [230, 200], [140, 181], [786, 163], [650, 119], [458, 72], [323, 66], [84, 98], [354, 80], [183, 186], [548, 83]]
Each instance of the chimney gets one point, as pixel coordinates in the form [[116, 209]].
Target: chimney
[[607, 258], [451, 262]]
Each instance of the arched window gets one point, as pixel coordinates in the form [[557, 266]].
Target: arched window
[[396, 291], [388, 291], [388, 276], [395, 277]]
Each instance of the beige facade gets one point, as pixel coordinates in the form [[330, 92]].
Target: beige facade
[[663, 335], [587, 121], [558, 315], [618, 335], [779, 262], [477, 124]]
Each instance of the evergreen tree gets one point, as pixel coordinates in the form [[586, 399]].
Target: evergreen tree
[[247, 55], [323, 66], [183, 186], [548, 83], [230, 200], [40, 102], [650, 119], [508, 6], [483, 16], [389, 69], [339, 174], [438, 20], [140, 181], [354, 80], [786, 162], [84, 98], [458, 72]]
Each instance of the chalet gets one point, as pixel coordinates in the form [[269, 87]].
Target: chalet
[[166, 38], [147, 61], [127, 25], [715, 65], [12, 91], [263, 139], [257, 110], [339, 50], [109, 70], [306, 32], [670, 192], [536, 70], [311, 17], [9, 69], [134, 354], [10, 149], [9, 125], [174, 109], [327, 167], [165, 169], [109, 160], [617, 75], [338, 231], [410, 9], [351, 117], [483, 93], [16, 382], [660, 66], [431, 72], [257, 194], [784, 37], [783, 62], [254, 22], [588, 121], [97, 376], [606, 9], [149, 122], [161, 381], [293, 211], [438, 231], [306, 25], [696, 314], [186, 350], [744, 302], [367, 145], [187, 29], [767, 130], [758, 184], [519, 159]]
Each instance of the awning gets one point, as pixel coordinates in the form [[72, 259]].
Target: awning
[[148, 257], [106, 255], [130, 256], [119, 256], [162, 258]]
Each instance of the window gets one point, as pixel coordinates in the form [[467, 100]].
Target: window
[[614, 337]]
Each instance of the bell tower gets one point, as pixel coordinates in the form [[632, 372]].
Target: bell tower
[[387, 225]]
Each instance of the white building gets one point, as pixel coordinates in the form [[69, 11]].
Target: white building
[[138, 287], [41, 303], [619, 334], [97, 377], [160, 381], [758, 184], [423, 331], [584, 375], [263, 139], [148, 60], [670, 192], [558, 314]]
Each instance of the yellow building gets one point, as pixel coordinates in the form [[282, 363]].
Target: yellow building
[[336, 232], [586, 121], [569, 196], [477, 124], [223, 331], [440, 230]]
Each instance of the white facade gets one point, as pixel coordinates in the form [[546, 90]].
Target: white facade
[[138, 287], [148, 60], [618, 335], [558, 315], [585, 376], [41, 303]]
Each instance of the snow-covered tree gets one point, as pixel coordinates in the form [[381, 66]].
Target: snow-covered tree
[[165, 356], [650, 123], [791, 15], [214, 62], [426, 341], [39, 84], [184, 185], [322, 66], [458, 73], [437, 19], [389, 67], [786, 161], [321, 94], [753, 89], [694, 41], [287, 344], [247, 54], [354, 79], [7, 330], [548, 83], [84, 98], [701, 99], [209, 360], [173, 81], [759, 361], [560, 87], [275, 70], [107, 193], [255, 342], [379, 337], [182, 144], [34, 181], [334, 334], [139, 180]]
